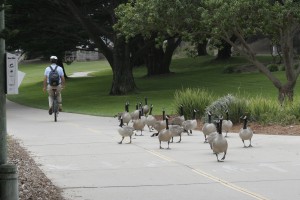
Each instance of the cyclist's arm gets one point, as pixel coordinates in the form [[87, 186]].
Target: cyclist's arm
[[45, 83], [63, 81]]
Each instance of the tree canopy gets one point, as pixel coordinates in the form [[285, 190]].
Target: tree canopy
[[278, 20]]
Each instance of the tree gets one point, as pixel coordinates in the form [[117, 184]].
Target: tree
[[52, 27], [40, 29], [278, 20], [97, 19], [162, 23]]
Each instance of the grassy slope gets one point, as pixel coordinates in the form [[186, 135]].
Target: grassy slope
[[90, 94]]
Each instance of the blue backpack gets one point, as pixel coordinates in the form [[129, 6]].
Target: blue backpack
[[53, 76]]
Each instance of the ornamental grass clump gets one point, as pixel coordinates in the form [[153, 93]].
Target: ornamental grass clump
[[192, 98]]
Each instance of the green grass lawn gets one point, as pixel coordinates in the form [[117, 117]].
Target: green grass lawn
[[90, 95]]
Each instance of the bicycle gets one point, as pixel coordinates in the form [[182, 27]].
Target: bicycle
[[55, 106]]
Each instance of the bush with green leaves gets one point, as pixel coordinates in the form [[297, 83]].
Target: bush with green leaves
[[273, 67]]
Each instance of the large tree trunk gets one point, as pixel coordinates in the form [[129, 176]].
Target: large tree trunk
[[158, 60], [123, 80], [225, 49], [286, 92], [201, 48], [224, 52]]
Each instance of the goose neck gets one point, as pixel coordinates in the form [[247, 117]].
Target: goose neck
[[245, 124]]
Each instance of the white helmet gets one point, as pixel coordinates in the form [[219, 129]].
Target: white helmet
[[53, 58]]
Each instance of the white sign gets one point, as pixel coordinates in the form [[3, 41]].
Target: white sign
[[12, 81]]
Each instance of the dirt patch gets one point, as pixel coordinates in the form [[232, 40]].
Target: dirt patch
[[258, 128]]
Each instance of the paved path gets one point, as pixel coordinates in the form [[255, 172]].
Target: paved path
[[81, 155]]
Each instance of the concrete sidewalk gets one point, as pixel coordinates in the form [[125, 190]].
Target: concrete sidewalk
[[81, 155]]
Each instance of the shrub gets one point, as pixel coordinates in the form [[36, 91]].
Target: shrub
[[229, 102], [273, 67], [259, 109], [192, 98], [229, 70]]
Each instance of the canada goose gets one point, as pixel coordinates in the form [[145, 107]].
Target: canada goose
[[227, 124], [125, 115], [135, 113], [176, 131], [159, 125], [208, 127], [146, 107], [219, 144], [179, 119], [191, 124], [143, 118], [165, 135], [139, 124], [125, 131], [150, 120], [246, 133], [211, 137]]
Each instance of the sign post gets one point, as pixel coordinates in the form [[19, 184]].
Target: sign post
[[8, 172]]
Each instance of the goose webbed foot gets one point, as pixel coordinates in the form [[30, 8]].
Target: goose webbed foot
[[250, 145], [224, 157], [179, 140], [121, 140], [217, 157]]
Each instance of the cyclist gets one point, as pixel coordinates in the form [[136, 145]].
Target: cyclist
[[59, 87]]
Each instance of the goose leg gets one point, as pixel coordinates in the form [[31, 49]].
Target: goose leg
[[130, 140], [179, 138], [160, 145], [172, 140], [121, 140], [224, 155], [250, 144], [217, 157], [205, 139], [226, 134], [141, 133], [168, 144], [244, 143], [191, 132]]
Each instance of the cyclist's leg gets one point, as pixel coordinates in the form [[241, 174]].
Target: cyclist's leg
[[59, 98], [50, 98]]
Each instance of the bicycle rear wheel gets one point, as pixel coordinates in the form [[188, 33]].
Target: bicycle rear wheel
[[55, 109]]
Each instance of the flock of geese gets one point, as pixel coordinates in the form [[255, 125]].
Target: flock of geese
[[169, 127]]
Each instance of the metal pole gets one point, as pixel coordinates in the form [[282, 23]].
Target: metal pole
[[8, 172], [3, 148]]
